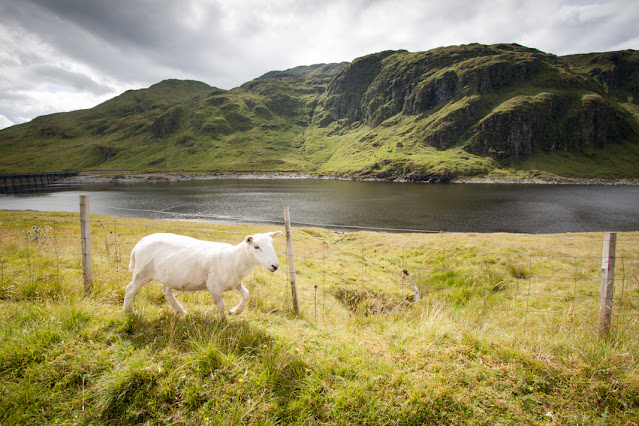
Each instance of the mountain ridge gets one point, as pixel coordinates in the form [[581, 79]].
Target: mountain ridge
[[453, 111]]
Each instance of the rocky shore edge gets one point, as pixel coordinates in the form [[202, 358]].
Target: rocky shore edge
[[128, 177]]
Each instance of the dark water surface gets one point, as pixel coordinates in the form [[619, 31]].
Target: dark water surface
[[435, 207]]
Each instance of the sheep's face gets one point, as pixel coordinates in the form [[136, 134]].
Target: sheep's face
[[260, 248]]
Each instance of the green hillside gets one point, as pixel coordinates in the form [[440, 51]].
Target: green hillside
[[453, 111]]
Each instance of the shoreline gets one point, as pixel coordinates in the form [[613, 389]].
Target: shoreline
[[129, 177]]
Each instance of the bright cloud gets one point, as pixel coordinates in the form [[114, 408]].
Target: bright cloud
[[5, 122]]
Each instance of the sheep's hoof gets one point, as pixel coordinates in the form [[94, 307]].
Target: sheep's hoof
[[235, 311]]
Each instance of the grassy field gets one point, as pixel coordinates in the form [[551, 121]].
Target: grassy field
[[504, 331]]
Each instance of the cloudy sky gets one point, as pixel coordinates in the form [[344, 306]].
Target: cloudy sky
[[62, 55]]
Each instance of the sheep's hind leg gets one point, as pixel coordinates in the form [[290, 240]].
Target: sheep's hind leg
[[245, 295], [168, 295], [129, 292], [219, 301], [217, 298]]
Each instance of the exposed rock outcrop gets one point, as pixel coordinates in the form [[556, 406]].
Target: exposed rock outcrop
[[549, 123], [166, 123], [504, 101]]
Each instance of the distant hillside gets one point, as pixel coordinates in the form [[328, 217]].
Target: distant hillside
[[452, 111]]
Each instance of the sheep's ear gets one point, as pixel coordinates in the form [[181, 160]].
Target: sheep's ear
[[275, 234], [249, 239]]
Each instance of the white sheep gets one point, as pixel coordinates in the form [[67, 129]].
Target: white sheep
[[187, 264]]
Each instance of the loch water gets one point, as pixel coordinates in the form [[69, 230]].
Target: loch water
[[522, 208]]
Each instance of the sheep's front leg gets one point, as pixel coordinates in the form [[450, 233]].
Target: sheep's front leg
[[168, 295], [245, 295]]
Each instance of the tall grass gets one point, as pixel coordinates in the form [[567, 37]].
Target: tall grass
[[365, 353]]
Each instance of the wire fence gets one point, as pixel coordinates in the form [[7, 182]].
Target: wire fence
[[515, 286], [534, 281]]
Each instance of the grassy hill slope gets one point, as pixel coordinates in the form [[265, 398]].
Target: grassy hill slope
[[176, 126], [459, 110]]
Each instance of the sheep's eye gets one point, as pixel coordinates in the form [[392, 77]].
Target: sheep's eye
[[257, 248]]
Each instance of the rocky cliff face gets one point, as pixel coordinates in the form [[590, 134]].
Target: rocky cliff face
[[376, 87], [346, 92], [617, 73], [548, 123], [504, 101]]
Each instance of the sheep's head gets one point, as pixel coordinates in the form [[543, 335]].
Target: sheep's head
[[260, 248]]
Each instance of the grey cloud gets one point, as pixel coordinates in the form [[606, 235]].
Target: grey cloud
[[94, 47], [143, 24], [133, 41], [55, 76]]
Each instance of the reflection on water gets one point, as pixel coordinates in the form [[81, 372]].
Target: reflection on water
[[445, 207]]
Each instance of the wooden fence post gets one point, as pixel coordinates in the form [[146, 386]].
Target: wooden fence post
[[85, 236], [607, 283], [291, 264]]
